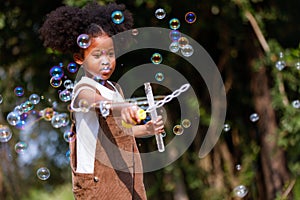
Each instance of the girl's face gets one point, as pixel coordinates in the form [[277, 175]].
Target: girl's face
[[99, 58]]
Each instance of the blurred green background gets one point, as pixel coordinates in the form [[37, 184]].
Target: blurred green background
[[244, 39]]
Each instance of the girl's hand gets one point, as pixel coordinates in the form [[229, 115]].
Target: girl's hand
[[130, 115], [155, 127]]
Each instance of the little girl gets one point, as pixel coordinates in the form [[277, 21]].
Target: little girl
[[105, 159]]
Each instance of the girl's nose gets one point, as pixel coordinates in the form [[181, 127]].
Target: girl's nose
[[104, 60]]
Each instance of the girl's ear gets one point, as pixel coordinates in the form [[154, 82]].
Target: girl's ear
[[78, 58]]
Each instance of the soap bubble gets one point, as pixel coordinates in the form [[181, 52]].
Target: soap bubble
[[69, 136], [296, 104], [64, 119], [55, 82], [159, 76], [19, 91], [297, 65], [47, 113], [83, 41], [68, 154], [5, 133], [117, 17], [13, 118], [60, 120], [135, 32], [160, 13], [280, 65], [190, 17], [72, 67], [174, 23], [240, 191], [254, 117], [177, 130], [226, 127], [174, 47], [187, 50], [27, 106], [43, 173], [238, 167], [34, 98], [83, 105], [182, 41], [68, 84], [156, 58], [21, 147], [65, 95], [56, 71], [186, 123], [174, 35]]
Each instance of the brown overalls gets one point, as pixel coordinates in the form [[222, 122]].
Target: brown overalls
[[116, 164]]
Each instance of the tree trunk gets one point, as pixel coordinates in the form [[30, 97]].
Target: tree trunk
[[272, 158]]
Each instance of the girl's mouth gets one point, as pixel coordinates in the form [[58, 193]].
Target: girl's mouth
[[105, 70]]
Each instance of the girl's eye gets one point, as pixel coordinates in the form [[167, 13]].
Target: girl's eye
[[111, 54], [97, 55]]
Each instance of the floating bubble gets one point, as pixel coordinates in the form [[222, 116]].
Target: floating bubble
[[174, 47], [13, 118], [55, 82], [254, 117], [215, 10], [34, 98], [65, 95], [19, 91], [186, 123], [280, 65], [159, 76], [1, 98], [296, 104], [190, 17], [60, 120], [226, 127], [160, 13], [183, 41], [69, 136], [187, 50], [64, 119], [43, 173], [47, 113], [56, 71], [68, 153], [240, 191], [177, 130], [238, 167], [21, 147], [21, 125], [174, 24], [83, 105], [18, 109], [5, 133], [27, 106], [174, 35], [156, 58], [83, 41], [297, 65], [134, 32], [56, 121], [117, 17], [72, 67], [68, 84]]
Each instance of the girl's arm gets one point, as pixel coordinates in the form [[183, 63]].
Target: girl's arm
[[150, 128]]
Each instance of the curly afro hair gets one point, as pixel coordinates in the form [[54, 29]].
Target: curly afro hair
[[63, 25]]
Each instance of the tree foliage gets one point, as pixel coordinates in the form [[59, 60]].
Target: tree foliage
[[243, 37]]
